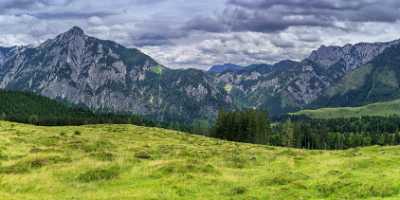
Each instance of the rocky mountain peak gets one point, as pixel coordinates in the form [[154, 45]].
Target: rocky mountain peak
[[352, 56], [74, 31], [225, 67], [74, 34]]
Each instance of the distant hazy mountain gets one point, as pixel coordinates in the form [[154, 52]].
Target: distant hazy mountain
[[104, 75], [224, 68]]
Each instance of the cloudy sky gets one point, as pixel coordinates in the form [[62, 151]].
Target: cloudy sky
[[201, 33]]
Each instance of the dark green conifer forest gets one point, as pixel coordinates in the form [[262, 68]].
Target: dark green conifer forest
[[34, 109], [301, 132]]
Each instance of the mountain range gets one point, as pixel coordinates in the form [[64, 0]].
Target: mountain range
[[108, 77], [224, 68]]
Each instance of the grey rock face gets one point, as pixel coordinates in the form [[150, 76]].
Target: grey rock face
[[297, 84], [352, 55], [103, 75], [224, 68], [293, 83], [6, 53]]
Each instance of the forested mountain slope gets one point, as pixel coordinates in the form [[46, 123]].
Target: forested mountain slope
[[31, 108]]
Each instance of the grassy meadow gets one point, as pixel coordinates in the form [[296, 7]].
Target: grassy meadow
[[382, 109], [130, 162]]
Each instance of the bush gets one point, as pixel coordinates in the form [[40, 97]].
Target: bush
[[100, 174], [284, 178], [103, 156], [238, 190], [185, 168], [142, 155], [3, 156], [27, 165], [101, 145]]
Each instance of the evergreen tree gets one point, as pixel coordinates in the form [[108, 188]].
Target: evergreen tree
[[288, 137], [244, 126]]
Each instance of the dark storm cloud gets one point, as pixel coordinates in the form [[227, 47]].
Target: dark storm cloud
[[152, 39], [27, 4], [146, 2], [208, 24], [152, 32], [278, 15], [317, 4], [71, 15], [282, 43]]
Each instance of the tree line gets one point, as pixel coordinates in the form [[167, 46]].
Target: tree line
[[243, 126], [302, 132], [329, 134], [30, 108]]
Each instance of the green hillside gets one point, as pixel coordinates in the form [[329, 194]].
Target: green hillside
[[130, 162], [34, 109], [23, 105], [377, 109], [377, 81]]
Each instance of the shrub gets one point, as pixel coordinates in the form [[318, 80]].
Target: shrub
[[103, 156], [142, 155], [99, 174], [27, 165], [284, 178], [97, 146], [238, 190], [3, 156], [185, 168]]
